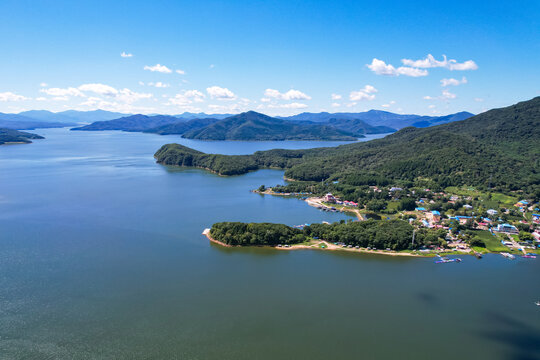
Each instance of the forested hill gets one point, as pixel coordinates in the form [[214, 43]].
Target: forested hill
[[498, 148], [259, 127], [181, 127], [14, 136], [358, 127], [131, 123]]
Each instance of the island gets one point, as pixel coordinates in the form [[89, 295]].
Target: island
[[10, 136], [469, 186]]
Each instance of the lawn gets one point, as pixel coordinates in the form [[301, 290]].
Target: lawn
[[503, 199], [493, 242]]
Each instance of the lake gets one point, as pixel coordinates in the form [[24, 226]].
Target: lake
[[102, 257]]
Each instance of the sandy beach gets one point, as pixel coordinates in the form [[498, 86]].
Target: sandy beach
[[317, 246]]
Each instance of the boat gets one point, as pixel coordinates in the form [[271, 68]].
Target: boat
[[529, 256], [443, 260], [478, 255], [508, 255], [537, 303]]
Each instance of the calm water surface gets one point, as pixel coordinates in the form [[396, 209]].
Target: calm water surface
[[102, 257]]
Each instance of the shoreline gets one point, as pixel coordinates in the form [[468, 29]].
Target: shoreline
[[316, 246]]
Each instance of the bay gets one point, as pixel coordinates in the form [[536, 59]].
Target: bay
[[101, 256]]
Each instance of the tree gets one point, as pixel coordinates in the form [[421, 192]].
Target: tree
[[262, 188], [376, 205], [407, 204], [476, 241], [525, 236]]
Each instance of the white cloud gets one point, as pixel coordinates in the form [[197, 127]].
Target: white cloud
[[158, 68], [336, 97], [181, 72], [427, 97], [186, 97], [336, 105], [9, 96], [478, 99], [41, 98], [453, 82], [294, 105], [158, 84], [126, 55], [431, 62], [220, 93], [43, 84], [379, 67], [265, 100], [367, 93], [212, 66], [127, 96], [447, 95], [389, 104], [289, 95], [431, 106], [59, 92], [101, 89]]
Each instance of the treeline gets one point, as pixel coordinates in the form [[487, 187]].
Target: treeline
[[255, 234], [394, 234]]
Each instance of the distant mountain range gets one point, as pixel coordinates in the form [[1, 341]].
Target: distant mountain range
[[21, 122], [72, 116], [382, 118], [201, 115], [131, 123], [255, 126], [15, 136], [316, 126]]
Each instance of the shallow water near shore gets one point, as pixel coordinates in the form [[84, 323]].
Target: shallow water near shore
[[102, 256]]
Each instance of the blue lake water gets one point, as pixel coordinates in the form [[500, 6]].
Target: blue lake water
[[101, 257]]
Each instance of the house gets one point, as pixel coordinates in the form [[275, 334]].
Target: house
[[467, 206], [536, 218], [420, 209], [434, 216], [483, 225], [492, 212], [522, 205], [506, 228], [329, 198], [462, 219], [392, 189]]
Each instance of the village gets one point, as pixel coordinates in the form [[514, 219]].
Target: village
[[474, 222]]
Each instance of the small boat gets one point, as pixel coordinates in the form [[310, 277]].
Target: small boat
[[529, 256], [537, 303], [443, 260], [508, 255], [478, 255]]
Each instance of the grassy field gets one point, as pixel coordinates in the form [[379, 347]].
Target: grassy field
[[493, 243], [504, 199], [489, 201]]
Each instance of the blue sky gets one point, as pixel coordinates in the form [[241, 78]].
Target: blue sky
[[279, 57]]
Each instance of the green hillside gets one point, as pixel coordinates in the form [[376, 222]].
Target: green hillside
[[254, 126], [14, 136], [498, 149]]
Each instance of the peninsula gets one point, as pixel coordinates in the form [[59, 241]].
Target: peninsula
[[455, 186]]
